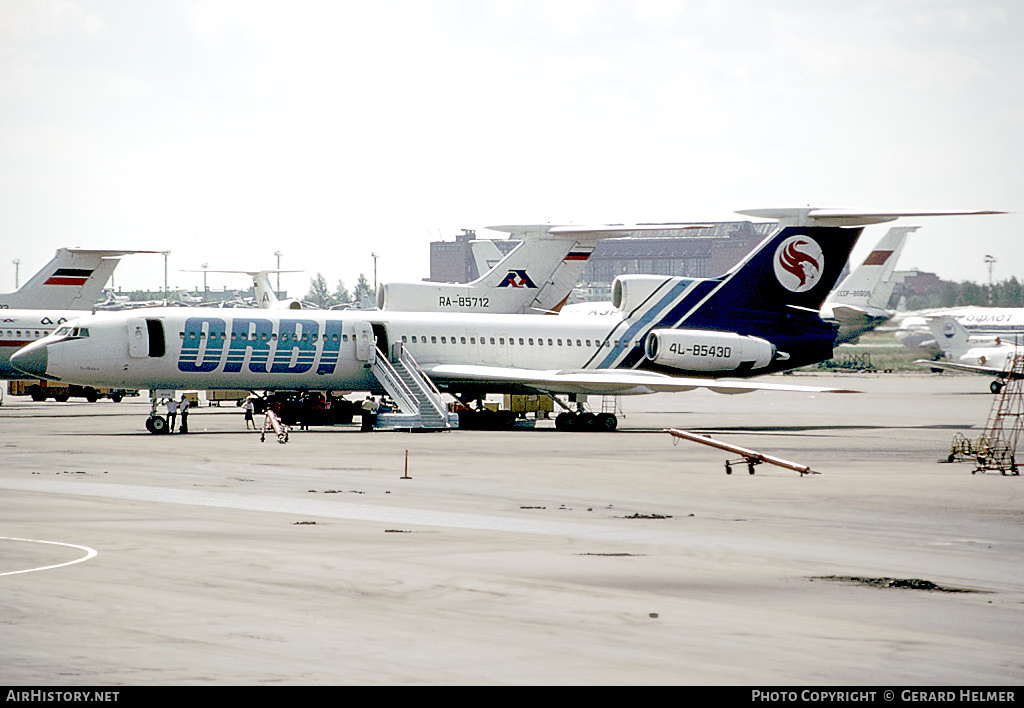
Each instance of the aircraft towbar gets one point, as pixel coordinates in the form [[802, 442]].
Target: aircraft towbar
[[751, 457]]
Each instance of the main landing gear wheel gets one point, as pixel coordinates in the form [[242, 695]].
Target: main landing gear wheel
[[996, 386], [571, 422], [156, 425]]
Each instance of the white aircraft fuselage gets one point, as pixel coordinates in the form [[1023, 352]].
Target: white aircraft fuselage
[[19, 328], [175, 348]]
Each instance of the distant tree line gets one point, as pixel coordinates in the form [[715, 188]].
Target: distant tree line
[[321, 295], [1006, 293]]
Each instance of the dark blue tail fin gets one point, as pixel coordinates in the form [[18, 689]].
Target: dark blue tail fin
[[774, 293], [796, 267]]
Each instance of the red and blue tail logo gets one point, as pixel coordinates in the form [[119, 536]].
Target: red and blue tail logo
[[516, 279], [799, 263]]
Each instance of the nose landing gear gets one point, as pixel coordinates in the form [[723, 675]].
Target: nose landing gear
[[156, 424]]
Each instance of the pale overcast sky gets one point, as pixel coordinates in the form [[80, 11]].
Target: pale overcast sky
[[226, 130]]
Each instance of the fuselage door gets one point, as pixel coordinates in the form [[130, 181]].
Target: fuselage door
[[366, 348], [138, 338]]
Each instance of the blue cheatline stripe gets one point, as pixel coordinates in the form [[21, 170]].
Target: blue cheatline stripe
[[692, 300], [641, 324]]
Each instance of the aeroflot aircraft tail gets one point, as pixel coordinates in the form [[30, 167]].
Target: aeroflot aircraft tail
[[73, 280], [859, 302]]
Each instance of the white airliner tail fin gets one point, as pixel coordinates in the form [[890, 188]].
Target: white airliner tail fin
[[72, 280], [266, 296], [536, 277], [951, 336], [870, 284]]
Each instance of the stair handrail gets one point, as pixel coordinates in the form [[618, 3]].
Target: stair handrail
[[433, 394], [403, 395]]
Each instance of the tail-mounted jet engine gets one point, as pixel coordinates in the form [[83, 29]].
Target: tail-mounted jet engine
[[705, 350]]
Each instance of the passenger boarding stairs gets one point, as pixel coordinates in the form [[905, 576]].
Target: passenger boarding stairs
[[420, 406]]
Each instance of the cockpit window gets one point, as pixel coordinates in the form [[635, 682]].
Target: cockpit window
[[72, 332]]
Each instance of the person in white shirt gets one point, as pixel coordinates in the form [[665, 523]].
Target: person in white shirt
[[172, 413], [183, 409]]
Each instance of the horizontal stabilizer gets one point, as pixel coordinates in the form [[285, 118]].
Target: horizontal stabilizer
[[595, 231], [807, 216], [251, 273]]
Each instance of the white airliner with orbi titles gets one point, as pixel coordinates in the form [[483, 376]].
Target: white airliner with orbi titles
[[674, 334]]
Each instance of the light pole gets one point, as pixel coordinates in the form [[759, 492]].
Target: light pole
[[990, 261], [166, 296], [16, 262], [204, 266], [278, 254], [374, 274]]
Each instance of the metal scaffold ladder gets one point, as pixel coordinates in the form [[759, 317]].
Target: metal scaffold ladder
[[997, 446]]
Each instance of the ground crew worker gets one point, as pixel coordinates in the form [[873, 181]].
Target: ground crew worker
[[172, 413], [369, 414], [183, 409], [248, 408]]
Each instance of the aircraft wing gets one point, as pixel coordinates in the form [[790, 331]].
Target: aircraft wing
[[617, 382]]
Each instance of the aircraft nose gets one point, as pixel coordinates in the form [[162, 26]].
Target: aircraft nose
[[31, 359]]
